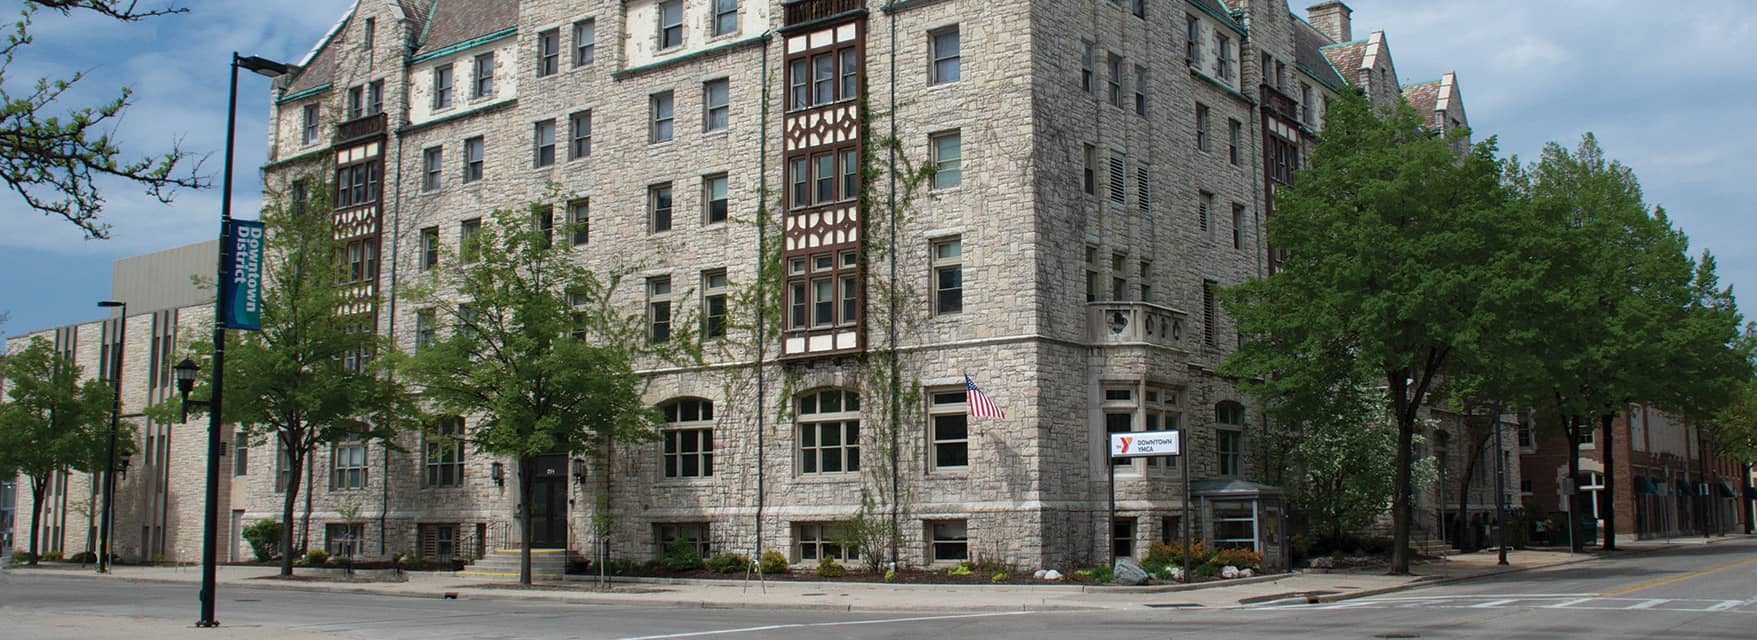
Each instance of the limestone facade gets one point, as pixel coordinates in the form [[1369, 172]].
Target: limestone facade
[[1114, 169]]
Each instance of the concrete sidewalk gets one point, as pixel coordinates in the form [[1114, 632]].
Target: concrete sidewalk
[[864, 596]]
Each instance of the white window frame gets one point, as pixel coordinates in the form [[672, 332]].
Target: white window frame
[[948, 258], [815, 420], [689, 423], [952, 406]]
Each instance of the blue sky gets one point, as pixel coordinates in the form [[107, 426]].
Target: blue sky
[[1666, 90]]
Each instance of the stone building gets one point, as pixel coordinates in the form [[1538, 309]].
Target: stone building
[[159, 495], [1102, 169]]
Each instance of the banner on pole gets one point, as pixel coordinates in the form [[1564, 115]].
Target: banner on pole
[[1141, 444], [242, 276]]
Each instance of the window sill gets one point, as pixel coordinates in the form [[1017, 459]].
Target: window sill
[[838, 477], [659, 143], [683, 482], [718, 133], [946, 190]]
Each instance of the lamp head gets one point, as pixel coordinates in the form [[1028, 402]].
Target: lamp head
[[186, 371], [261, 66]]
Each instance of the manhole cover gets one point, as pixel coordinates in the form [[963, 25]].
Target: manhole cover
[[1176, 605]]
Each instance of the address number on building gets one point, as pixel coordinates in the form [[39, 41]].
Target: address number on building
[[1141, 444]]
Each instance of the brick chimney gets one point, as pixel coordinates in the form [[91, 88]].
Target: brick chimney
[[1331, 18]]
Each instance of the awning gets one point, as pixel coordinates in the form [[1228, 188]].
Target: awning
[[1725, 489], [1644, 486]]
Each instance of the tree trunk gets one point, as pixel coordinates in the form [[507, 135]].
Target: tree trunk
[[525, 465], [39, 488], [1574, 542], [305, 522], [1467, 542], [1608, 496], [1400, 495], [287, 502], [1746, 501]]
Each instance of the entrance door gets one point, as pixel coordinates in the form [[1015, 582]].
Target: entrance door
[[549, 502]]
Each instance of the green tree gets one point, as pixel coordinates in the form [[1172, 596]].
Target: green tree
[[1343, 450], [1629, 317], [1398, 246], [51, 421], [537, 353], [311, 376], [53, 160]]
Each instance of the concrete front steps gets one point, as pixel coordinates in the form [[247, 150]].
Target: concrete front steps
[[1430, 547], [546, 564]]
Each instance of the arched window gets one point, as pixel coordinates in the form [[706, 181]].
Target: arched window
[[688, 436], [829, 431]]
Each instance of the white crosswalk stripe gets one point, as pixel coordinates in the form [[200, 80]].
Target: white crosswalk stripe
[[1571, 601]]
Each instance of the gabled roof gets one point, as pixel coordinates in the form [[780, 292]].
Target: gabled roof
[[317, 68], [455, 21], [1308, 55], [1347, 58], [1422, 96]]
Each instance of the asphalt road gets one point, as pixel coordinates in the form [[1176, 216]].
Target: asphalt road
[[1705, 591]]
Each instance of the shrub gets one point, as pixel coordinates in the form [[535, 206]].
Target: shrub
[[827, 567], [773, 562], [890, 575], [682, 556], [22, 557], [999, 577], [1153, 565], [83, 557], [414, 563], [1163, 553], [159, 558], [313, 558], [52, 556], [729, 563], [1103, 574], [264, 537], [1241, 558], [1206, 570], [960, 570]]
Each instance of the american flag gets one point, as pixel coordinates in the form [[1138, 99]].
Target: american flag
[[980, 405]]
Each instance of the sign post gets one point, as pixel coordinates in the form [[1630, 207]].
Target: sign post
[[1146, 444]]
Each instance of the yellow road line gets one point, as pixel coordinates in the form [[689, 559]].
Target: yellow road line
[[1677, 578]]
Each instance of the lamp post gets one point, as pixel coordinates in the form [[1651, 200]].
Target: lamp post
[[211, 519], [115, 417]]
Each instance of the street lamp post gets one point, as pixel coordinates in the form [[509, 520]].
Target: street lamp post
[[211, 520], [115, 417]]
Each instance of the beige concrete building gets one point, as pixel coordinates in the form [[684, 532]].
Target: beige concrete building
[[1103, 167]]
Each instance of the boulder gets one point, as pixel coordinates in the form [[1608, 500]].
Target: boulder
[[1052, 574], [1229, 572], [1129, 573]]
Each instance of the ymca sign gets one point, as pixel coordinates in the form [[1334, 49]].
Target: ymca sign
[[1142, 444]]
